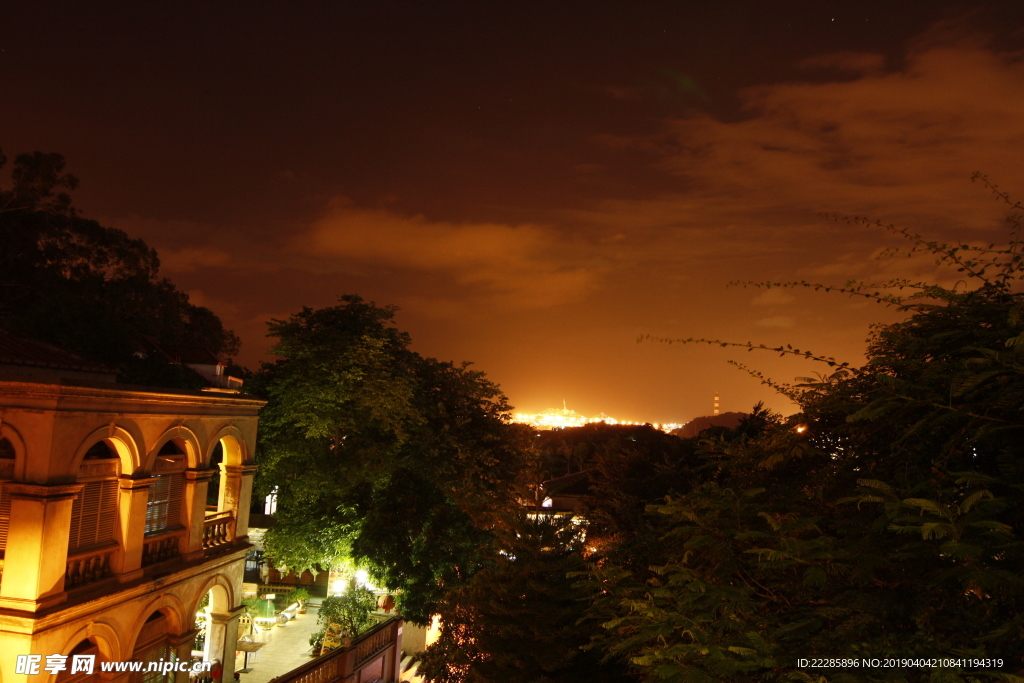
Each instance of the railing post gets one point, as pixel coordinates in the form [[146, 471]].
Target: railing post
[[347, 660], [396, 656]]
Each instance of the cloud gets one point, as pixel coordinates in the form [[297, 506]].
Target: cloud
[[776, 321], [525, 265], [899, 145], [884, 141], [773, 297]]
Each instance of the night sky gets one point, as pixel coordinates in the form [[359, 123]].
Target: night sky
[[534, 185]]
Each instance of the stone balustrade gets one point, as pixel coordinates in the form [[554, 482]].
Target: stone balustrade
[[218, 530], [89, 566], [162, 547]]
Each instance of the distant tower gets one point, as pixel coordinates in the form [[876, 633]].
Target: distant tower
[[716, 403]]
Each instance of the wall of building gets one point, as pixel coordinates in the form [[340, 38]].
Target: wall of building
[[52, 600]]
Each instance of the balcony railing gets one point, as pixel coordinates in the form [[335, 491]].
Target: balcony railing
[[89, 566], [218, 530], [345, 663], [161, 547]]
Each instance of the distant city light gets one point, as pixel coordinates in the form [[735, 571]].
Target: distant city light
[[559, 418]]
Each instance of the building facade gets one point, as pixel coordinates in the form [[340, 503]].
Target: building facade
[[110, 537]]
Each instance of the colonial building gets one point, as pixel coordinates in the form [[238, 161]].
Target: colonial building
[[110, 536]]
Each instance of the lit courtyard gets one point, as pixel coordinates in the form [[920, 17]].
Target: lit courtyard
[[285, 648]]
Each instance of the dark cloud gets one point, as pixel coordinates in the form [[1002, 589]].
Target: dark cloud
[[536, 192]]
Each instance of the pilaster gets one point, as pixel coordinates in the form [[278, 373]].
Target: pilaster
[[236, 494], [196, 484], [222, 640], [182, 646], [37, 545], [134, 498]]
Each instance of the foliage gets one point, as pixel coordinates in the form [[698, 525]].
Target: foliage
[[518, 617], [516, 620], [94, 290], [883, 521], [252, 606], [380, 454], [352, 611], [300, 595], [620, 469]]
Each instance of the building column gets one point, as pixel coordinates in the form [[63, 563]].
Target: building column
[[131, 510], [17, 644], [37, 545], [183, 651], [194, 499], [222, 640], [236, 495]]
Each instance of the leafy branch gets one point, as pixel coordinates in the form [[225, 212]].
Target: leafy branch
[[787, 390], [749, 346]]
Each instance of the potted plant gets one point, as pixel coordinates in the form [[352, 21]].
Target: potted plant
[[316, 642], [301, 596]]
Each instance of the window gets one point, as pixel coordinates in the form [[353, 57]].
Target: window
[[86, 647], [163, 510], [94, 512], [6, 456], [5, 517], [94, 515], [153, 646]]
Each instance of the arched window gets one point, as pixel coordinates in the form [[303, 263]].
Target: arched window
[[163, 509], [153, 645], [92, 538], [87, 648], [94, 512]]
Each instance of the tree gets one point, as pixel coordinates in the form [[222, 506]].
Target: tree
[[352, 610], [623, 468], [517, 619], [380, 454], [94, 290], [883, 521]]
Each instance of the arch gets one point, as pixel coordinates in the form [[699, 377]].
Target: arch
[[236, 448], [13, 436], [170, 606], [106, 640], [223, 598], [188, 438], [119, 440]]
